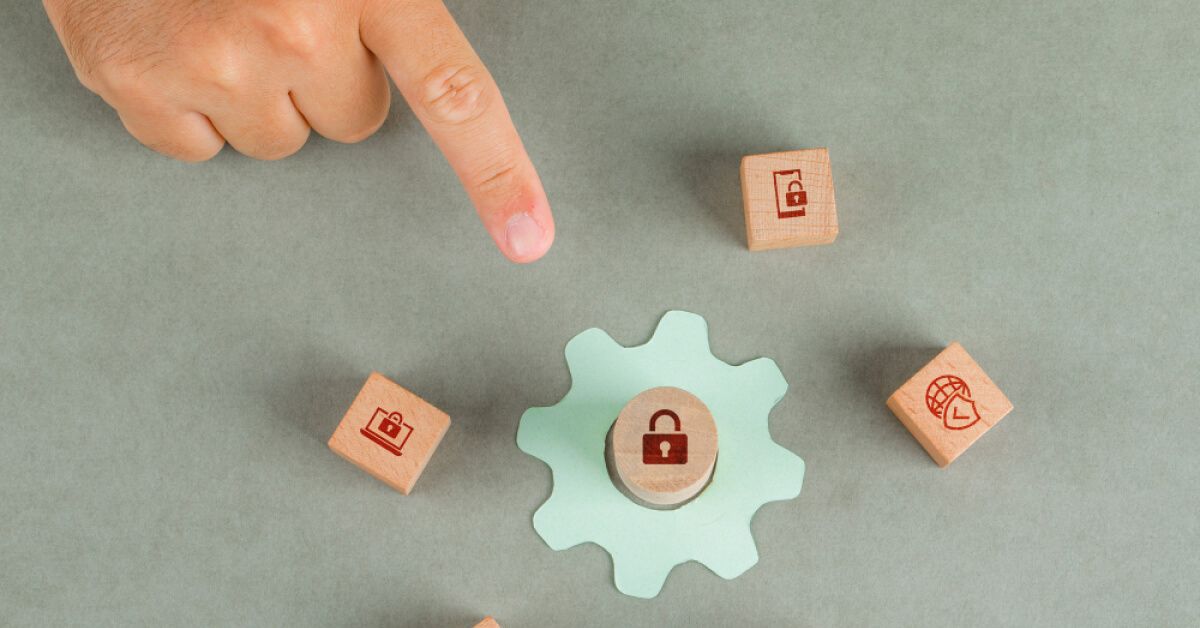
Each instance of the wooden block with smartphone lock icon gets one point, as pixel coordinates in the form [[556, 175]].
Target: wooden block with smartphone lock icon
[[662, 449], [390, 433], [788, 199], [949, 404]]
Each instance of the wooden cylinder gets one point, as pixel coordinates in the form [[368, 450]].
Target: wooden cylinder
[[663, 447]]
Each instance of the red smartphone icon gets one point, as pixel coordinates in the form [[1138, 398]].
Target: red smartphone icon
[[791, 199]]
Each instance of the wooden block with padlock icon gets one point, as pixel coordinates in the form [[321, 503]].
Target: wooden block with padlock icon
[[390, 433], [788, 199], [663, 447]]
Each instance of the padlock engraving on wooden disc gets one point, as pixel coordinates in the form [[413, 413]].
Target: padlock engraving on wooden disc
[[663, 446], [668, 448]]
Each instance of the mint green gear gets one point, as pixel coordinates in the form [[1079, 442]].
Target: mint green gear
[[645, 544]]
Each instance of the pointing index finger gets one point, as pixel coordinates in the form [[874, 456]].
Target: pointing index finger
[[456, 99]]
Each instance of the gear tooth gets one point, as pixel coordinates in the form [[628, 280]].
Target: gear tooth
[[636, 576], [733, 555], [765, 375], [583, 350], [553, 524], [532, 421], [587, 343], [682, 333], [777, 474], [784, 464]]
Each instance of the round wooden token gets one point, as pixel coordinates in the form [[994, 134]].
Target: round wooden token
[[663, 446]]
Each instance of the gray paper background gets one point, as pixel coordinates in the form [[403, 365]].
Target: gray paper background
[[177, 341]]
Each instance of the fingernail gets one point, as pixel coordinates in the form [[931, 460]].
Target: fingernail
[[524, 235]]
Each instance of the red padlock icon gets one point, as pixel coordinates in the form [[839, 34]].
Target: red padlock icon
[[391, 425], [797, 197], [664, 447]]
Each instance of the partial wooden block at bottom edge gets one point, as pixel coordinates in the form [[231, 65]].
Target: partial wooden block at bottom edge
[[487, 622], [390, 433], [788, 199]]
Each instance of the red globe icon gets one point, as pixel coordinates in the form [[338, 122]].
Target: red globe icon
[[941, 390], [949, 398]]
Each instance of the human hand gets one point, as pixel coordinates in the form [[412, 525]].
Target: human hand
[[187, 76]]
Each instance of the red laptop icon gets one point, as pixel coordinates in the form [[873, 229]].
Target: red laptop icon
[[388, 429]]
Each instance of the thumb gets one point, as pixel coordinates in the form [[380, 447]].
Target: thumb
[[458, 102]]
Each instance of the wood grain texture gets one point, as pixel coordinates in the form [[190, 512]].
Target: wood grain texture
[[763, 199], [415, 433], [949, 404], [661, 483], [487, 622]]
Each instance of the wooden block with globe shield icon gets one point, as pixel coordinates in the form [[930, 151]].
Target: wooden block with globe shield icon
[[390, 433], [949, 404]]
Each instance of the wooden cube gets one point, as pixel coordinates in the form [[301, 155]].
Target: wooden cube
[[487, 622], [390, 433], [949, 404], [788, 199]]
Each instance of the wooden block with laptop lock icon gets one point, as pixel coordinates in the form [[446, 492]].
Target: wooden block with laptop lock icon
[[390, 433], [949, 404], [662, 449], [788, 199]]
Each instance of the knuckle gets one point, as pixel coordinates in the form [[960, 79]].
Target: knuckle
[[220, 66], [360, 120], [182, 151], [455, 94], [298, 32], [496, 178], [356, 135], [277, 146], [88, 79], [124, 82], [172, 144], [225, 75]]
